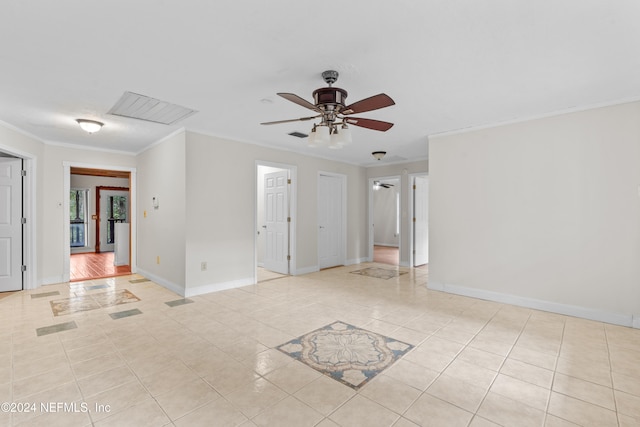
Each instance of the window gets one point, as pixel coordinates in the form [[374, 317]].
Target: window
[[78, 214]]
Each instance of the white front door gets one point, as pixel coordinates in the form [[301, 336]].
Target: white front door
[[10, 224], [114, 207], [421, 223], [276, 213], [330, 232]]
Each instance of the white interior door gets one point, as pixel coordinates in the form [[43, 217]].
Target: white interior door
[[330, 221], [10, 224], [421, 221], [276, 212], [114, 207]]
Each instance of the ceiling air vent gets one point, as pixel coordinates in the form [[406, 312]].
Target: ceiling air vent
[[299, 134], [142, 107]]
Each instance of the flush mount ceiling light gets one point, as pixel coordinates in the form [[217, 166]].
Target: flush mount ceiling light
[[378, 154], [90, 126], [334, 115]]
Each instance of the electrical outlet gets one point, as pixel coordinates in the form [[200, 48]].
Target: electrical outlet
[[158, 259], [203, 266]]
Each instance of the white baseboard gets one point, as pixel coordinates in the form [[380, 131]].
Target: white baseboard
[[215, 287], [357, 261], [53, 280], [553, 307], [305, 270], [173, 287]]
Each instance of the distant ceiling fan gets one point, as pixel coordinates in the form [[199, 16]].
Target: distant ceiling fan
[[334, 115], [378, 184]]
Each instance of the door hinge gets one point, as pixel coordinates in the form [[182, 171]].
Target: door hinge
[[288, 219], [23, 268], [24, 220], [23, 173], [414, 186], [414, 220], [288, 257], [289, 181]]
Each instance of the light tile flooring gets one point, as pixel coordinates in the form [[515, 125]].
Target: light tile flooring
[[213, 362]]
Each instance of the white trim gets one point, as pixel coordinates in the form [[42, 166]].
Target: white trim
[[550, 306], [89, 148], [21, 131], [635, 322], [537, 117], [293, 204], [399, 162], [173, 287], [356, 261], [343, 181], [65, 211], [306, 270], [215, 287], [161, 140], [53, 280]]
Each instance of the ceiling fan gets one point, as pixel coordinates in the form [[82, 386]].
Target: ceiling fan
[[334, 115], [378, 184]]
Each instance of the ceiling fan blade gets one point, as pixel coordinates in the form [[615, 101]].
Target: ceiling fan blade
[[298, 100], [369, 123], [369, 104], [301, 119]]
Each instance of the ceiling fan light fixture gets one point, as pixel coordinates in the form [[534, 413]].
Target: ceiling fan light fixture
[[90, 126], [311, 141], [378, 155], [323, 136], [345, 132]]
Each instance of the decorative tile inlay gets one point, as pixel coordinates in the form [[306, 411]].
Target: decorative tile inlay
[[126, 313], [144, 279], [46, 330], [45, 294], [379, 273], [178, 302], [91, 288], [346, 353], [87, 302]]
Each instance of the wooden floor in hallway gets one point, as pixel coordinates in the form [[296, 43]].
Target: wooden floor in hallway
[[386, 255], [93, 266]]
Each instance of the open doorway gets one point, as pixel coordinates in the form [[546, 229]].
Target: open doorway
[[275, 221], [385, 219], [100, 217]]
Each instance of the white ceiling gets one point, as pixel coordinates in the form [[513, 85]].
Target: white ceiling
[[448, 65]]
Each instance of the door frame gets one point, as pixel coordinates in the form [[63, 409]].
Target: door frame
[[410, 210], [66, 267], [98, 190], [343, 216], [293, 175], [370, 215], [29, 244]]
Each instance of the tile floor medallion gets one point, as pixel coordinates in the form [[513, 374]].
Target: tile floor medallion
[[88, 302], [346, 353], [379, 273]]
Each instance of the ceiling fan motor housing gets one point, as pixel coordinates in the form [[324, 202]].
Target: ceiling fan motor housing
[[330, 97]]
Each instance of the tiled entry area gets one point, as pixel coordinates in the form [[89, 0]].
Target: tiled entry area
[[213, 360]]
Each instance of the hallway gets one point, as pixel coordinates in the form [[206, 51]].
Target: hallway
[[95, 266]]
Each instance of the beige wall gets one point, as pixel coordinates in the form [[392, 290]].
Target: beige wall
[[161, 232], [543, 213], [221, 199]]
